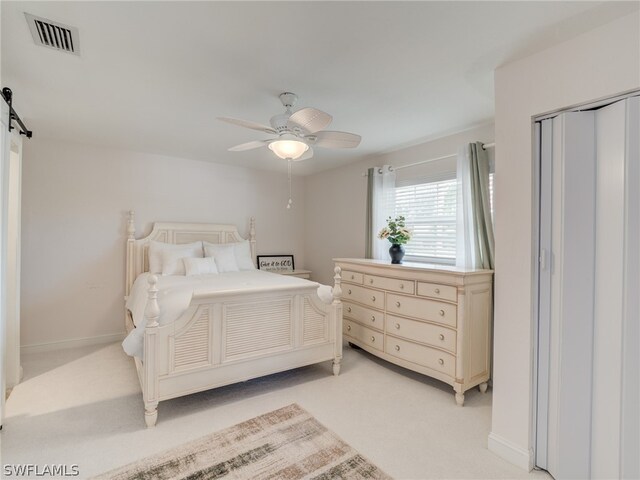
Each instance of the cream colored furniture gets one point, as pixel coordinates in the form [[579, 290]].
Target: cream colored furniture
[[432, 319], [306, 274], [228, 336]]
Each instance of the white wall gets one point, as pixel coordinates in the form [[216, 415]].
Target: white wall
[[336, 199], [597, 64], [75, 200]]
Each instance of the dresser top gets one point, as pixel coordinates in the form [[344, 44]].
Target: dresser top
[[414, 266]]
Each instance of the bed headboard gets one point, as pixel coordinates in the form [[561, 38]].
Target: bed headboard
[[172, 232]]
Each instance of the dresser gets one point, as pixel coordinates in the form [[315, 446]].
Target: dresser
[[432, 319]]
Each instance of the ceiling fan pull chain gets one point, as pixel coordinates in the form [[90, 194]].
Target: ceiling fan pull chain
[[289, 175]]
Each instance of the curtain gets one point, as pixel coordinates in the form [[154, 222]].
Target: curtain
[[370, 236], [475, 242], [380, 206]]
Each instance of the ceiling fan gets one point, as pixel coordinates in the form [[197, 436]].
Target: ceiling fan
[[296, 132]]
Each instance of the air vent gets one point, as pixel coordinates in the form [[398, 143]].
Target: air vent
[[53, 34]]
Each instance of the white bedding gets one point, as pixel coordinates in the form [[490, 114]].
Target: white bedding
[[175, 293]]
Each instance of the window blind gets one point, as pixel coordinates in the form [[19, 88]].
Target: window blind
[[430, 211], [429, 207]]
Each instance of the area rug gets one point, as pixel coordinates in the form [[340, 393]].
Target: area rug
[[288, 443]]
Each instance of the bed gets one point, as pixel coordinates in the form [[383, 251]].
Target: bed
[[232, 326]]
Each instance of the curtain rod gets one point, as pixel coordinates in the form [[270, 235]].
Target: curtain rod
[[7, 96], [484, 147]]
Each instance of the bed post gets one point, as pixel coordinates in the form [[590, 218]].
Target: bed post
[[337, 312], [130, 267], [252, 239], [150, 391]]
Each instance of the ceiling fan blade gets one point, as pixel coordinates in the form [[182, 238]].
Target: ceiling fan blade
[[306, 156], [249, 145], [248, 124], [309, 120], [331, 139]]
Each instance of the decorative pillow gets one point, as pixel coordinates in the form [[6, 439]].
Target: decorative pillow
[[156, 248], [224, 255], [241, 250], [199, 266]]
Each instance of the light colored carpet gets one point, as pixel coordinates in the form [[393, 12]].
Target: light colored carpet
[[285, 444], [84, 406]]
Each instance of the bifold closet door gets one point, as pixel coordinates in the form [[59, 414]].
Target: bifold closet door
[[616, 370], [567, 272], [588, 420]]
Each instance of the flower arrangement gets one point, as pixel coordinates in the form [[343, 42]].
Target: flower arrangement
[[395, 231]]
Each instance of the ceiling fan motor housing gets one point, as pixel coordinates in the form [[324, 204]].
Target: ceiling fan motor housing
[[279, 122]]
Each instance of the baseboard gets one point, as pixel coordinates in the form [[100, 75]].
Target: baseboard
[[511, 452], [73, 343]]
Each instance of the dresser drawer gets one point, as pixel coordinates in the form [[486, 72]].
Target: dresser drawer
[[391, 284], [353, 277], [366, 296], [362, 334], [421, 332], [422, 308], [422, 355], [366, 316], [435, 290]]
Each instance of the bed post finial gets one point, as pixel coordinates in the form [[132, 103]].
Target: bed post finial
[[131, 225], [337, 289], [152, 311], [252, 238], [336, 305]]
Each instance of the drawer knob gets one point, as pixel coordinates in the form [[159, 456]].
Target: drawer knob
[[373, 339], [349, 309], [349, 292], [397, 348], [371, 280], [397, 326], [437, 290], [441, 337], [348, 328], [442, 313], [373, 298], [402, 286], [398, 304], [373, 318], [441, 362], [353, 277]]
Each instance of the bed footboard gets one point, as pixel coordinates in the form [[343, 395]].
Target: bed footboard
[[226, 338]]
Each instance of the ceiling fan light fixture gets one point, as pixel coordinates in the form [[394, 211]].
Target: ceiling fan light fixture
[[288, 148]]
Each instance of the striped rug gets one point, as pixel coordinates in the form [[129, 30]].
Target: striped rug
[[284, 444]]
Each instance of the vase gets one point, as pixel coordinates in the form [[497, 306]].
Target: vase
[[397, 252]]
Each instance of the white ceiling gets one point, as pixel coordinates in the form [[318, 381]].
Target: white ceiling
[[153, 76]]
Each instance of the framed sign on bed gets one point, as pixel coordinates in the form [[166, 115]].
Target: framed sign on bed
[[276, 263]]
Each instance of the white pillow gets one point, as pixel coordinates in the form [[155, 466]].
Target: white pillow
[[241, 250], [156, 248], [172, 262], [243, 255], [199, 266], [224, 255]]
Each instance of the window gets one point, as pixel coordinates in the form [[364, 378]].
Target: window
[[430, 211], [429, 207]]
